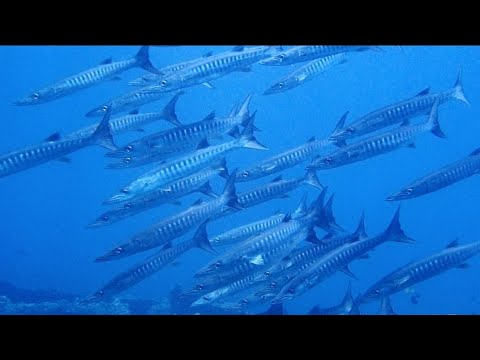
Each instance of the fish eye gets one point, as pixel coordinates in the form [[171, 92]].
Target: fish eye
[[35, 96], [267, 273], [245, 174], [127, 160], [273, 284], [280, 85], [118, 250], [129, 148], [125, 191], [105, 218], [377, 292], [100, 293], [199, 287], [127, 205], [291, 291], [409, 191], [328, 160], [281, 56], [217, 265], [104, 108], [163, 83], [244, 301], [350, 130]]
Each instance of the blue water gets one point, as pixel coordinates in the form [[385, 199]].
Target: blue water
[[44, 210]]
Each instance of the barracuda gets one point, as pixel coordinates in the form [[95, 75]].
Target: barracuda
[[306, 73], [262, 250], [399, 112], [446, 176], [175, 226], [55, 149], [214, 67], [339, 259], [178, 168], [287, 159], [186, 137], [380, 144], [198, 182], [151, 265], [305, 53], [151, 79], [453, 256], [107, 70], [302, 258]]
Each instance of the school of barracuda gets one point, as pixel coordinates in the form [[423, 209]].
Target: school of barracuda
[[258, 267]]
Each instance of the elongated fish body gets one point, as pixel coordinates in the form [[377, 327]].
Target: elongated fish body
[[277, 188], [183, 166], [305, 256], [399, 112], [198, 182], [214, 67], [127, 102], [262, 250], [185, 137], [256, 254], [54, 149], [306, 73], [446, 176], [244, 232], [339, 259], [228, 290], [307, 53], [151, 265], [151, 79], [285, 160], [107, 70], [174, 226], [418, 271], [130, 162], [379, 144], [343, 308]]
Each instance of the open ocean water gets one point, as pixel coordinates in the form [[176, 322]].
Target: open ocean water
[[47, 253]]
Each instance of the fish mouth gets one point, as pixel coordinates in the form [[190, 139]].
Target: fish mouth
[[271, 91], [396, 197], [281, 299], [23, 102], [117, 154], [116, 199], [202, 301], [120, 165], [96, 224], [95, 112], [272, 61], [111, 255]]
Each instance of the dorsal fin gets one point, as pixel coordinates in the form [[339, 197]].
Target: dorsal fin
[[203, 144], [54, 137], [476, 152], [107, 61], [134, 111], [452, 244], [168, 245], [311, 139], [208, 54], [198, 202], [423, 92], [238, 48], [287, 218], [278, 178], [210, 116]]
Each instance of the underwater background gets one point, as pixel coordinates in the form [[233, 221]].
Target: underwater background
[[44, 210]]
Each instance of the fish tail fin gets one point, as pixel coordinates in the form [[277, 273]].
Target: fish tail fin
[[459, 94], [243, 112], [328, 216], [247, 138], [311, 179], [200, 239], [433, 123], [102, 135], [222, 168], [360, 232], [229, 194], [169, 113], [207, 190], [395, 232], [340, 125], [143, 60]]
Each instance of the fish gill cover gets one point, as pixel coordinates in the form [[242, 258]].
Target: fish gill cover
[[268, 180]]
